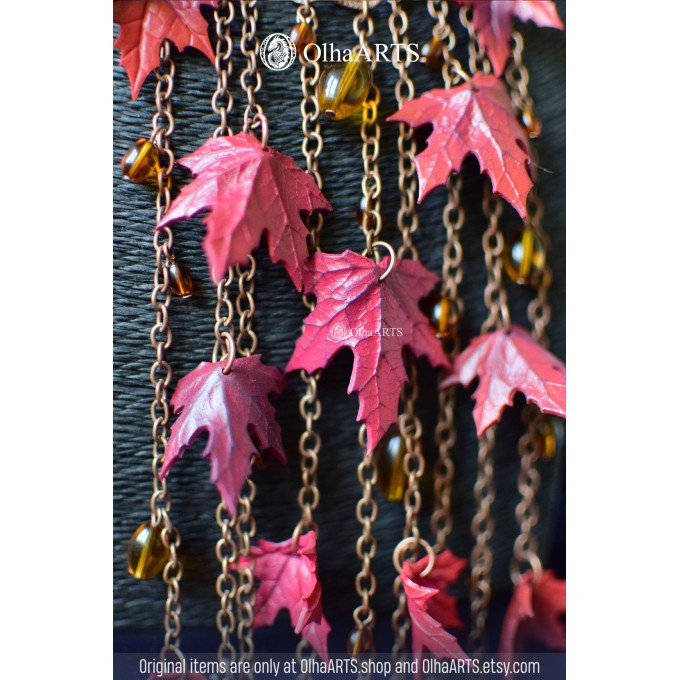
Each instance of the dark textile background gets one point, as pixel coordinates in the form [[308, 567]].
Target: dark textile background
[[139, 605]]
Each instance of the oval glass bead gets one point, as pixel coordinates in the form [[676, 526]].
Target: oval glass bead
[[181, 283], [302, 35], [146, 553], [141, 162], [389, 463], [524, 257], [343, 87], [432, 53]]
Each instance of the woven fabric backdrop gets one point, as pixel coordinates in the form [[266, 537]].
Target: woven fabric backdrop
[[279, 314]]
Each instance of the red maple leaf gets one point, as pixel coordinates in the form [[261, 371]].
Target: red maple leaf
[[288, 580], [145, 25], [248, 190], [492, 20], [506, 362], [376, 320], [534, 614], [431, 609], [233, 409], [472, 118]]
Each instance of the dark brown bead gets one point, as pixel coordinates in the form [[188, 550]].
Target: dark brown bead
[[442, 314], [432, 53], [389, 461]]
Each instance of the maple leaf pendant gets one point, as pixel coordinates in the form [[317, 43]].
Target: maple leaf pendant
[[249, 190], [376, 320], [235, 411], [477, 118]]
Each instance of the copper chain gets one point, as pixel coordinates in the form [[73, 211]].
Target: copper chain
[[254, 118], [495, 297], [452, 70], [482, 528], [222, 99], [478, 59], [445, 433], [517, 75], [163, 124], [371, 183]]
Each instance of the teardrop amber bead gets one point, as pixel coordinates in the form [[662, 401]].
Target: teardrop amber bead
[[181, 283], [432, 53], [302, 35], [343, 87], [532, 124], [146, 553], [441, 313], [524, 257], [389, 462], [549, 438], [141, 162]]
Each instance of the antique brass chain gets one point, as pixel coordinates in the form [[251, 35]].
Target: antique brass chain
[[495, 297], [163, 124], [222, 99], [517, 77], [371, 183], [445, 433], [452, 70], [481, 559], [254, 118], [478, 59]]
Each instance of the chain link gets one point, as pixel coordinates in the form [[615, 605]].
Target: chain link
[[482, 528], [227, 554], [366, 546], [163, 124], [517, 76], [371, 183], [452, 70], [495, 297], [222, 99], [478, 59], [254, 118], [445, 433]]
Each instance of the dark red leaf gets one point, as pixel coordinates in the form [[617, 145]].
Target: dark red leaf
[[232, 409], [248, 190], [376, 320], [473, 118], [492, 20], [288, 580], [507, 362], [144, 26], [534, 614], [431, 608]]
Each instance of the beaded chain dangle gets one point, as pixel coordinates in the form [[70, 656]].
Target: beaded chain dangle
[[382, 303]]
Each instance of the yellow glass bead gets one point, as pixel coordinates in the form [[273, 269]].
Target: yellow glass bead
[[343, 87], [303, 35], [141, 162], [524, 257], [180, 280], [549, 438], [389, 463], [532, 124], [146, 553], [441, 313], [359, 642], [432, 53]]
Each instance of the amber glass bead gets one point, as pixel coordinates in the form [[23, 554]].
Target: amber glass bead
[[389, 462], [146, 553], [180, 280], [302, 35], [359, 642], [441, 313], [343, 87], [524, 257], [549, 438], [141, 161], [532, 124], [432, 53]]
